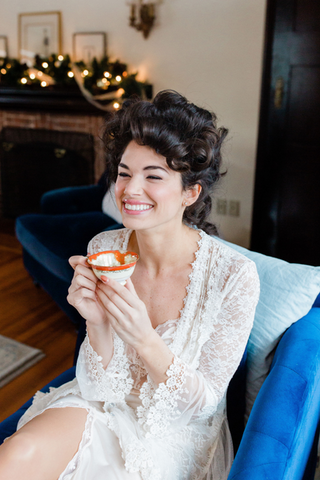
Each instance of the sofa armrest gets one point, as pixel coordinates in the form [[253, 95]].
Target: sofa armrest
[[280, 433], [73, 200]]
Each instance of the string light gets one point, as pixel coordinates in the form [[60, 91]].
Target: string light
[[45, 65], [8, 65], [105, 81], [60, 57], [107, 74], [70, 74], [3, 71], [118, 78], [43, 84], [116, 105], [24, 80], [39, 74], [85, 73], [124, 74], [32, 76]]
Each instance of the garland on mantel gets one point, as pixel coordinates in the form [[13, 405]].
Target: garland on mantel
[[99, 82]]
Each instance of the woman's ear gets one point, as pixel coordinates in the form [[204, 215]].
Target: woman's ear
[[192, 194]]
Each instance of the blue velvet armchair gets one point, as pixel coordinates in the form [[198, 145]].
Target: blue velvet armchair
[[280, 438]]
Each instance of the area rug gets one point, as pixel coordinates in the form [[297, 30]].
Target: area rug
[[15, 358]]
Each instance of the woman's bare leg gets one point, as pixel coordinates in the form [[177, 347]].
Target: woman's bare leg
[[43, 447]]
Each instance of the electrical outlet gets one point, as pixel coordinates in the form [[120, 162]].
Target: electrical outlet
[[221, 206], [234, 208]]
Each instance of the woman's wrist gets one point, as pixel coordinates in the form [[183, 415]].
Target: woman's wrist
[[156, 356]]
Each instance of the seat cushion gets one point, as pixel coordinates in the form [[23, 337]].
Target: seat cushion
[[52, 239]]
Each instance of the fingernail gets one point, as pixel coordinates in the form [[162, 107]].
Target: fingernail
[[104, 279]]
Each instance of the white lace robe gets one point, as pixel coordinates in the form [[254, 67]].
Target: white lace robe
[[176, 430]]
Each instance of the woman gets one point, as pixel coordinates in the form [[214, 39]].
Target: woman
[[148, 401]]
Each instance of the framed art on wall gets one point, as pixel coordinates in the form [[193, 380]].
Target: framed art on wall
[[3, 46], [39, 34], [89, 45]]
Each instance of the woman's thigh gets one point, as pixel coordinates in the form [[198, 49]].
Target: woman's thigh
[[43, 447]]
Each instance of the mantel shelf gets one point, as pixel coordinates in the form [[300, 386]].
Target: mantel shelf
[[53, 100]]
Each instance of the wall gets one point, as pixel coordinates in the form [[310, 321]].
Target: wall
[[208, 50]]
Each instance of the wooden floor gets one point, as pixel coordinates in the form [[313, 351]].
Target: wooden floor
[[29, 315]]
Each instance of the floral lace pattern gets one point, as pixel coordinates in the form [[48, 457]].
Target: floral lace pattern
[[207, 342]]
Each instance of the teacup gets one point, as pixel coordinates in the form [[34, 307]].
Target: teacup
[[113, 264]]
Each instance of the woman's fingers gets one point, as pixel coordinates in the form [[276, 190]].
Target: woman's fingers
[[78, 260]]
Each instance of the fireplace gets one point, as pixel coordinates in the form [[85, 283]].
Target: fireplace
[[33, 161], [46, 146]]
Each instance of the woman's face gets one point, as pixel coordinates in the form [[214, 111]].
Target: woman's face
[[148, 193]]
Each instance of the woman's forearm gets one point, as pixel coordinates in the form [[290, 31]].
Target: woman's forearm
[[101, 340]]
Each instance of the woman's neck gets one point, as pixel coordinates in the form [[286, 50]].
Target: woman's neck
[[164, 249]]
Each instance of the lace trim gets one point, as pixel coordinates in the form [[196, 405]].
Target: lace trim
[[116, 377], [136, 456], [160, 405]]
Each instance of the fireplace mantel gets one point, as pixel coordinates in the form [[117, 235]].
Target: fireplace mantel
[[55, 100]]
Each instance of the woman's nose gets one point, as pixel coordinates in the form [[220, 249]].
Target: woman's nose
[[133, 186]]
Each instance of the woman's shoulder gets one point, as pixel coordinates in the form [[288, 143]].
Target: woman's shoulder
[[229, 260], [109, 240]]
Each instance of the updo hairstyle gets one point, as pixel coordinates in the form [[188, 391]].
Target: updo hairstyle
[[186, 135]]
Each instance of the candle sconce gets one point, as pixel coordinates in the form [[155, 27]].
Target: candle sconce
[[142, 16]]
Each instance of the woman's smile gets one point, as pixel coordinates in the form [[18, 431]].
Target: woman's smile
[[133, 207]]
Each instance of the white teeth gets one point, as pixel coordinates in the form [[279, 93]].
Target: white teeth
[[128, 206]]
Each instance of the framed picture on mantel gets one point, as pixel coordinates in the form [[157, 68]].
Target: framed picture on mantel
[[89, 45], [39, 34], [3, 46]]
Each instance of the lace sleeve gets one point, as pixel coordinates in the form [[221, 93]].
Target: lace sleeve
[[96, 383], [192, 394]]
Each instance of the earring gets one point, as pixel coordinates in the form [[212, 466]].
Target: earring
[[186, 204]]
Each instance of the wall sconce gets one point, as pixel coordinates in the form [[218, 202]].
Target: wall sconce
[[142, 16]]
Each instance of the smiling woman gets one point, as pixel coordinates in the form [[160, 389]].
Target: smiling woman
[[149, 398]]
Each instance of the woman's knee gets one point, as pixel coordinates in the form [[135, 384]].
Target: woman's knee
[[22, 447]]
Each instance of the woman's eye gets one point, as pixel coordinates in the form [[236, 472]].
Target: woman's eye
[[153, 177], [123, 174]]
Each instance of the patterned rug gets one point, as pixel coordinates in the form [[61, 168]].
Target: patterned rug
[[15, 358]]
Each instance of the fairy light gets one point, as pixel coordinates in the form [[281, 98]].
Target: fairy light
[[32, 76], [85, 73], [39, 74], [120, 92], [70, 74], [116, 105], [43, 84], [60, 57], [45, 65], [8, 65], [107, 74], [105, 81], [23, 80], [118, 78], [124, 74], [3, 71]]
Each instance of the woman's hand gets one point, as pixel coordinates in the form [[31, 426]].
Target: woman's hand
[[82, 292], [126, 313]]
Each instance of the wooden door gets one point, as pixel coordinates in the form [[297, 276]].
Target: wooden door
[[286, 217]]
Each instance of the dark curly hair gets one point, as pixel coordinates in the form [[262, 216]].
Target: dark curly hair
[[186, 135]]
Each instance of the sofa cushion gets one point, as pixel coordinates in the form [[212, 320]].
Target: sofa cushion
[[288, 291]]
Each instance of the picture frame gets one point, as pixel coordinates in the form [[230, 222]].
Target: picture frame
[[89, 45], [3, 46], [39, 34]]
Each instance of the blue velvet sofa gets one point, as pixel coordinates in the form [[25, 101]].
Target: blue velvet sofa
[[280, 438]]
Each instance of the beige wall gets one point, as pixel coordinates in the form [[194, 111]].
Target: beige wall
[[208, 50]]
